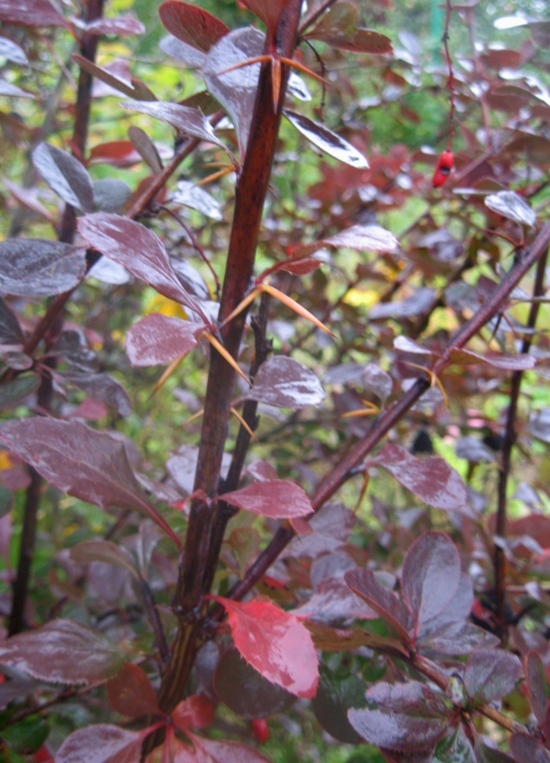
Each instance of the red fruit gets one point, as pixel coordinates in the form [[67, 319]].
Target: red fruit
[[443, 169], [260, 729]]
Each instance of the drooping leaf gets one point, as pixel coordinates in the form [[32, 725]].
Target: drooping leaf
[[103, 551], [245, 691], [407, 717], [12, 51], [430, 576], [513, 207], [536, 684], [332, 526], [327, 140], [63, 651], [186, 54], [110, 195], [90, 465], [455, 748], [110, 79], [275, 643], [36, 268], [388, 605], [191, 25], [329, 639], [285, 383], [195, 712], [338, 28], [490, 674], [65, 175], [139, 250], [192, 280], [32, 13], [335, 696], [12, 91], [130, 692], [431, 479], [278, 499], [158, 339], [378, 381], [211, 751], [102, 744]]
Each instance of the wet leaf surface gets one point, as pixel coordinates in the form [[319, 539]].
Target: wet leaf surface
[[65, 175], [278, 499], [513, 207], [32, 13], [130, 692], [285, 383], [490, 674], [327, 140], [388, 605], [158, 339], [36, 268], [536, 684], [191, 25], [102, 744]]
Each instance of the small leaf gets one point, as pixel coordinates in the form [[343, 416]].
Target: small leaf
[[103, 551], [527, 749], [377, 381], [335, 696], [269, 11], [507, 362], [333, 602], [277, 499], [536, 684], [275, 643], [12, 51], [191, 25], [35, 268], [130, 692], [328, 141], [100, 387], [12, 91], [420, 300], [31, 13], [210, 751], [190, 195], [65, 175], [513, 207], [121, 25], [103, 75], [195, 712], [158, 339], [11, 332], [359, 237], [63, 651], [285, 383], [491, 674], [102, 744], [388, 605], [13, 392]]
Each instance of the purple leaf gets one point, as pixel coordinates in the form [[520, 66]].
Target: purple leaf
[[328, 141], [331, 525], [285, 383], [158, 339], [101, 387], [190, 195], [211, 751], [404, 717], [103, 551], [13, 392], [536, 684], [182, 51], [377, 381], [63, 651], [31, 13], [146, 148], [120, 25], [491, 674], [417, 303], [191, 24], [359, 237], [90, 465], [507, 362], [102, 744], [526, 749], [269, 11], [388, 605], [34, 268], [513, 207], [431, 479], [333, 602], [130, 692], [11, 332], [139, 250], [12, 91], [65, 175], [457, 638], [12, 51], [430, 576], [278, 499]]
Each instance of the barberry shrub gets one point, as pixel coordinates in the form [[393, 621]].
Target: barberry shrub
[[274, 350]]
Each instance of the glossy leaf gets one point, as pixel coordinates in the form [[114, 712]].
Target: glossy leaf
[[332, 526], [327, 140], [158, 339], [102, 388], [211, 751], [191, 25], [415, 304], [195, 712], [245, 691], [65, 175], [275, 643], [431, 479], [102, 744], [120, 25], [35, 268], [404, 717], [335, 696], [277, 499], [377, 381], [192, 281], [527, 749], [332, 601], [457, 638], [90, 465], [32, 13], [430, 576], [12, 91], [513, 207], [285, 383], [104, 75], [359, 237], [388, 605], [345, 640], [195, 197], [12, 51], [15, 391], [536, 684], [139, 250], [10, 330], [269, 11], [63, 651], [130, 692], [103, 551], [491, 674], [186, 54], [507, 362]]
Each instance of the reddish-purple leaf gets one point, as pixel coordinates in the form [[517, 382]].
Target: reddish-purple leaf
[[536, 684], [195, 712], [12, 51], [90, 465], [513, 207], [158, 339], [415, 304], [104, 551], [491, 674], [139, 250], [331, 525], [101, 387], [360, 237], [328, 141], [333, 602], [130, 692], [269, 11], [275, 643], [11, 333], [506, 362], [146, 148], [38, 268], [457, 638], [102, 744], [65, 175], [211, 751], [431, 479], [182, 51], [277, 499], [63, 651], [404, 717], [120, 25], [285, 383], [33, 13], [191, 25], [388, 605], [527, 749], [13, 392], [378, 381], [339, 22], [366, 41]]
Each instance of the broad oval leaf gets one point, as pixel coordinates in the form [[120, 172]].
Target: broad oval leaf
[[491, 674], [187, 54], [158, 339], [388, 605], [195, 197], [90, 465], [430, 576], [102, 743], [130, 692], [513, 207], [526, 748], [195, 712], [269, 11], [366, 41], [102, 388], [139, 250], [36, 268], [12, 51], [285, 383], [275, 643], [536, 684], [63, 651], [119, 25], [521, 362], [33, 13], [104, 551], [191, 25], [432, 479], [277, 499], [328, 141], [335, 696], [13, 392], [377, 381], [212, 751], [65, 175]]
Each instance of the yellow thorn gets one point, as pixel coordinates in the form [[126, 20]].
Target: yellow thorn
[[243, 423], [370, 410], [434, 381], [168, 371], [363, 492], [225, 354], [216, 175], [193, 417], [289, 302], [250, 297]]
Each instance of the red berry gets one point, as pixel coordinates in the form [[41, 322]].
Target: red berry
[[443, 169], [260, 729]]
